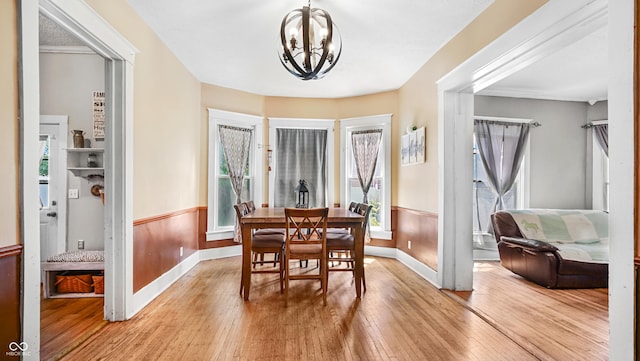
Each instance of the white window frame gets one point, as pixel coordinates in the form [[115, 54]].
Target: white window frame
[[221, 117], [599, 173], [299, 123], [382, 121]]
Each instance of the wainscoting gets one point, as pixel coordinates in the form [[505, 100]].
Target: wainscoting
[[419, 227], [157, 241], [10, 266]]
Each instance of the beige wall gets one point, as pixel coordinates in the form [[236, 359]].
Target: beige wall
[[167, 123], [282, 107], [171, 127], [417, 186], [9, 162]]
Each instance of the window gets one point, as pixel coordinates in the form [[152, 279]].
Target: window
[[326, 170], [380, 192], [484, 196], [221, 215], [43, 172]]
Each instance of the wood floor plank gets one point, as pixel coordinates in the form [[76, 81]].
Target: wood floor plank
[[400, 317], [551, 324]]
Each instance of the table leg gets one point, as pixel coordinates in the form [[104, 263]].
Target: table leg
[[246, 260], [358, 258]]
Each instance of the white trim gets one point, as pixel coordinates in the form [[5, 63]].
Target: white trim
[[66, 49], [218, 235], [621, 173], [386, 235], [98, 34], [369, 122], [378, 251], [149, 292], [221, 252], [418, 267], [254, 122], [304, 123], [30, 230]]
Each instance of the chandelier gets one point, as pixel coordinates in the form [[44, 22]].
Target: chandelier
[[311, 43]]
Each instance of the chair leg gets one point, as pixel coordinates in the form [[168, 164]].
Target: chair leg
[[281, 274]]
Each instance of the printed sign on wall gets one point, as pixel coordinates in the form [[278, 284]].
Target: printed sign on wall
[[98, 115]]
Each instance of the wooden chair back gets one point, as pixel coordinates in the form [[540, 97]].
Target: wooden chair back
[[305, 238]]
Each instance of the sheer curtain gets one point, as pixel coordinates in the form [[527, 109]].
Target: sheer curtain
[[601, 132], [366, 144], [300, 154], [501, 146], [236, 144]]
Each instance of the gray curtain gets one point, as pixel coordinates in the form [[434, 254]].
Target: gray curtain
[[366, 145], [300, 154], [601, 132], [236, 145], [501, 146]]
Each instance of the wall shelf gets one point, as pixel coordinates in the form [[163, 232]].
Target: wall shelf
[[77, 161]]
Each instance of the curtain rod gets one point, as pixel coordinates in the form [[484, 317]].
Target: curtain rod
[[509, 121], [594, 123]]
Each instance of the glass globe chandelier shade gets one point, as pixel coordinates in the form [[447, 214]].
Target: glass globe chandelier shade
[[311, 43]]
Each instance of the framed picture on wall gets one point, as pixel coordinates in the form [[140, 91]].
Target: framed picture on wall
[[413, 147], [404, 151]]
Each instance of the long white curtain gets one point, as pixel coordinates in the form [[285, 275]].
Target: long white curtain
[[300, 154], [236, 145], [501, 146], [366, 145]]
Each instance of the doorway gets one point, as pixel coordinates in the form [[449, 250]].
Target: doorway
[[79, 19], [554, 25], [52, 185]]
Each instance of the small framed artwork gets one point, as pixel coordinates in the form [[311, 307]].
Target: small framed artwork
[[413, 147]]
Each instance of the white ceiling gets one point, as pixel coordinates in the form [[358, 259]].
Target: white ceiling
[[575, 73], [234, 44]]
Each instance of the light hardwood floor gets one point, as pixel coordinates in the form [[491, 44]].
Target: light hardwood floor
[[400, 317], [67, 322], [551, 324]]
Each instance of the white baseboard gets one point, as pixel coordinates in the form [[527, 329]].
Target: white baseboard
[[378, 251], [149, 292], [220, 252], [418, 267]]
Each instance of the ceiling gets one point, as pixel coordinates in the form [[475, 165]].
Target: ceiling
[[384, 44]]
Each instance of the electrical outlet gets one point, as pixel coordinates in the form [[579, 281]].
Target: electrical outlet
[[73, 193], [409, 244], [181, 251], [80, 244]]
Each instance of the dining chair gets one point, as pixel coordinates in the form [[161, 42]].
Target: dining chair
[[306, 239], [352, 208], [261, 244], [250, 205], [341, 246]]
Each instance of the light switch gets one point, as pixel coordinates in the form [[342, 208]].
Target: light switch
[[73, 193]]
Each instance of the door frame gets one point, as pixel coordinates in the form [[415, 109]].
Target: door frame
[[62, 122], [85, 23]]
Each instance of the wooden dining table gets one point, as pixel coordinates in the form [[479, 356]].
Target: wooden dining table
[[275, 218]]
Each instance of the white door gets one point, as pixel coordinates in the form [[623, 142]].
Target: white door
[[52, 185]]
